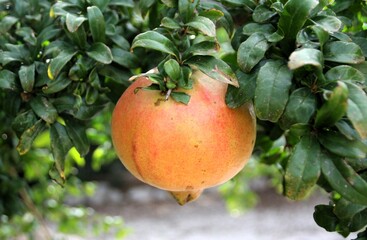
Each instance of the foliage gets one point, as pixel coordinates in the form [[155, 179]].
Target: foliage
[[302, 63]]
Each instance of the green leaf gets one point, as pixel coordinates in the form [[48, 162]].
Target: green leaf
[[8, 80], [262, 14], [28, 136], [97, 24], [343, 52], [155, 41], [357, 110], [300, 108], [77, 133], [23, 121], [303, 168], [187, 8], [101, 4], [145, 6], [237, 96], [214, 68], [125, 58], [172, 68], [67, 102], [213, 14], [251, 28], [58, 63], [204, 25], [100, 52], [60, 145], [170, 23], [201, 48], [6, 23], [120, 41], [345, 209], [180, 97], [304, 57], [27, 34], [344, 179], [294, 16], [334, 108], [57, 85], [272, 90], [251, 51], [328, 23], [73, 22], [44, 109], [344, 73], [324, 217], [338, 144], [27, 77], [91, 95]]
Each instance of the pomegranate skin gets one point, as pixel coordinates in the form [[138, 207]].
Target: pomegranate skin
[[178, 147]]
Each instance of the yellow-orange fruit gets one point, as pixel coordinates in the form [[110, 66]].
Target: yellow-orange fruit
[[178, 147]]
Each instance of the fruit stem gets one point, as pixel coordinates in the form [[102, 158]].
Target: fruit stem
[[183, 197], [168, 94]]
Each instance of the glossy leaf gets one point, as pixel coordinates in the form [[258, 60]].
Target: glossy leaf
[[334, 108], [8, 80], [67, 102], [303, 168], [344, 73], [272, 90], [155, 41], [181, 97], [43, 108], [73, 22], [170, 23], [328, 23], [262, 14], [237, 96], [203, 25], [125, 58], [294, 16], [57, 85], [186, 8], [324, 217], [60, 145], [345, 209], [58, 63], [300, 108], [201, 48], [172, 69], [344, 179], [97, 24], [27, 77], [251, 28], [101, 4], [343, 52], [304, 57], [338, 144], [77, 133], [23, 121], [100, 52], [357, 110], [28, 136], [215, 68], [251, 51]]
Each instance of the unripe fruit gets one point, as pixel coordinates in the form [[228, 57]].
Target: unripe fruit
[[182, 148]]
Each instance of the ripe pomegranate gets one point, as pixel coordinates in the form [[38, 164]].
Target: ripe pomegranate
[[182, 148]]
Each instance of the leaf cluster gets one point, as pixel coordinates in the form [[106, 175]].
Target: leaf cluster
[[187, 35], [61, 64], [304, 71]]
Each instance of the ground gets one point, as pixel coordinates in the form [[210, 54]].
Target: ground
[[151, 214]]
